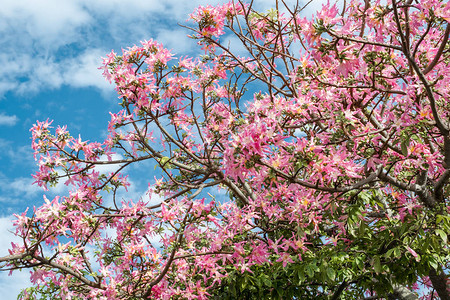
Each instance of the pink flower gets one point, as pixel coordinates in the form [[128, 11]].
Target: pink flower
[[285, 258], [414, 253]]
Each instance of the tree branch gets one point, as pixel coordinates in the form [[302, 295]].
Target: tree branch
[[339, 291], [423, 194], [439, 53]]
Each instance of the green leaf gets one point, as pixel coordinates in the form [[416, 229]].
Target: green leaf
[[359, 262], [389, 253], [266, 280], [425, 245], [280, 291], [244, 283], [330, 273], [233, 290], [404, 147], [301, 276], [164, 160], [434, 243], [443, 235], [309, 271], [433, 263], [377, 265], [397, 252]]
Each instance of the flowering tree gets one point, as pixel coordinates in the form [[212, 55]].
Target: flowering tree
[[313, 162]]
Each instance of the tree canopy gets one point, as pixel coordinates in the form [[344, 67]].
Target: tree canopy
[[311, 161]]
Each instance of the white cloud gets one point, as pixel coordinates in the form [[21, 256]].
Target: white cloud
[[18, 156], [6, 235], [152, 198], [233, 43], [8, 120], [18, 189], [45, 73], [108, 168], [49, 23], [51, 43], [10, 286], [123, 9], [82, 71], [176, 39], [24, 186]]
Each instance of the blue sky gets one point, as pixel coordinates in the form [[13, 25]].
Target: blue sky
[[50, 54]]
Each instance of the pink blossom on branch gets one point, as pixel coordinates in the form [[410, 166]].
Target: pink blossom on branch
[[281, 173]]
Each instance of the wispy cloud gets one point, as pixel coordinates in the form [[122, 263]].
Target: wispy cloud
[[8, 120], [17, 190], [17, 156], [108, 168], [50, 43], [82, 71]]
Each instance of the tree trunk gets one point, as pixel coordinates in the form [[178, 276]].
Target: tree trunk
[[440, 284]]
